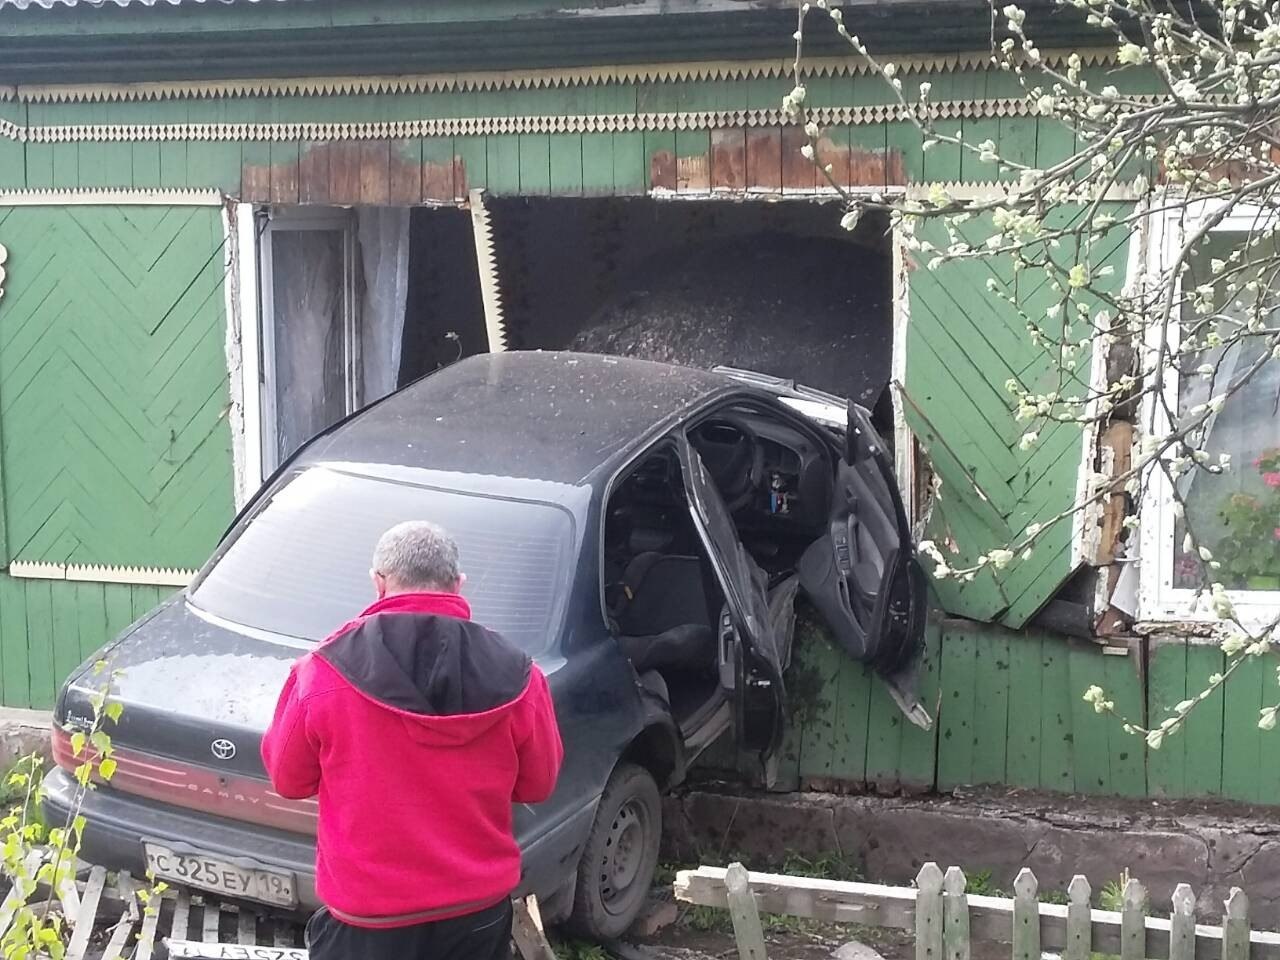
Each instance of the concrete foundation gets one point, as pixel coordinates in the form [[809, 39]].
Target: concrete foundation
[[1210, 847], [22, 733]]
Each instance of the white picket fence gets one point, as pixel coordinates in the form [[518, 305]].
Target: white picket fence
[[947, 921]]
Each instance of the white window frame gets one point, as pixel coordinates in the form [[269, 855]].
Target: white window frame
[[1158, 598], [292, 219]]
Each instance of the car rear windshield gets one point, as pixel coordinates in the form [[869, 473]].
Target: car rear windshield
[[300, 565]]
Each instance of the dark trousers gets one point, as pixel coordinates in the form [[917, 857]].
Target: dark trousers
[[477, 936]]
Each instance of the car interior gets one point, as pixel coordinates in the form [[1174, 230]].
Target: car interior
[[663, 599]]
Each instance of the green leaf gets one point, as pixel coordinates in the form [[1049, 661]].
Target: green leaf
[[114, 710], [107, 769], [77, 742]]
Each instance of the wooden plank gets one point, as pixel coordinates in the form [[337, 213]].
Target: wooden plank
[[630, 164], [955, 716], [128, 919], [1091, 745], [1128, 773], [438, 169], [660, 154], [313, 173], [1245, 753], [66, 166], [597, 163], [15, 896], [40, 643], [1057, 739], [1022, 748], [928, 913], [150, 924], [991, 705], [799, 175], [955, 920], [344, 172], [91, 610], [729, 160], [535, 164], [1133, 922], [1182, 924], [1026, 916], [503, 160], [247, 928], [285, 172], [406, 172], [1166, 687], [918, 756], [15, 680], [747, 931], [211, 916], [88, 911], [1079, 922], [526, 931], [181, 915], [764, 160], [1205, 735], [1235, 926], [693, 161], [375, 172]]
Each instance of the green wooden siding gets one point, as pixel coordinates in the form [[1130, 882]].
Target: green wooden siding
[[1010, 712], [113, 385], [48, 627], [964, 344]]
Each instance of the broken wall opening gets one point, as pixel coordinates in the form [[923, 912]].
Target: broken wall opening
[[776, 287]]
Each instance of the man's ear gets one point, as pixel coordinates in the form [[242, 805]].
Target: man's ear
[[379, 583], [462, 579]]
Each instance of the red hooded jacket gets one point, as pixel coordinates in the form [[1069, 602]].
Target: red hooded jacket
[[418, 729]]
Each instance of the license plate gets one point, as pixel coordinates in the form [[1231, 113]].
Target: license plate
[[219, 876]]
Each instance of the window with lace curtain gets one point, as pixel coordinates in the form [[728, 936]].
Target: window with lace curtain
[[1234, 514]]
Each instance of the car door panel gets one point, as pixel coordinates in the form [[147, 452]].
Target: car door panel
[[756, 649], [862, 574]]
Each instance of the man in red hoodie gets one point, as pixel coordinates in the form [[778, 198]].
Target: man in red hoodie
[[418, 729]]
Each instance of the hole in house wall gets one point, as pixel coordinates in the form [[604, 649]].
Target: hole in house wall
[[775, 287]]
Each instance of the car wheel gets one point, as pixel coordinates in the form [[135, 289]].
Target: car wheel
[[615, 874]]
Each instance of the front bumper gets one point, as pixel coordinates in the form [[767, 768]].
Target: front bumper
[[117, 824]]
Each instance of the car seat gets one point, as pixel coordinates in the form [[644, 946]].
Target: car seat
[[663, 618]]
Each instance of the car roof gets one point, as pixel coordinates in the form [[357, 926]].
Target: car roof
[[553, 416]]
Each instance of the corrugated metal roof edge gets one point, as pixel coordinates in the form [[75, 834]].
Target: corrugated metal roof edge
[[50, 4]]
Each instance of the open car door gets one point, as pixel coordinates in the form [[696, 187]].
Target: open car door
[[863, 575], [755, 634]]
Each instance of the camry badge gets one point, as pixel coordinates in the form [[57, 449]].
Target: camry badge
[[223, 749]]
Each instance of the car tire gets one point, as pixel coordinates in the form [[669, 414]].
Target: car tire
[[615, 874]]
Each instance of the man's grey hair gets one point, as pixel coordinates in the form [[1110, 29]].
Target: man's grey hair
[[418, 555]]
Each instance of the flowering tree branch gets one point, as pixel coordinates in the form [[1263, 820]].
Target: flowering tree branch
[[1179, 146]]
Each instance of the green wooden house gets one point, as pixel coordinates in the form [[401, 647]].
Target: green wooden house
[[227, 224]]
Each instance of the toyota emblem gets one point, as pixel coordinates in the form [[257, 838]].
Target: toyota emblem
[[223, 749]]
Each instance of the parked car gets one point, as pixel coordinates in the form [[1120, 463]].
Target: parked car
[[642, 530]]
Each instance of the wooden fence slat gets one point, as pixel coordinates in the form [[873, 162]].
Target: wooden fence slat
[[88, 910], [68, 893], [181, 915], [247, 928], [1079, 920], [526, 930], [14, 899], [746, 917], [1026, 916], [1235, 926], [150, 923], [209, 926], [1182, 924], [128, 918], [955, 919], [929, 912], [1133, 922]]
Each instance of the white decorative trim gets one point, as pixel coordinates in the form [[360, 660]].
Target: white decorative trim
[[487, 266], [485, 126], [93, 573], [485, 81], [103, 197]]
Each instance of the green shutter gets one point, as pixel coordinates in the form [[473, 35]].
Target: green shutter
[[113, 385], [963, 344]]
